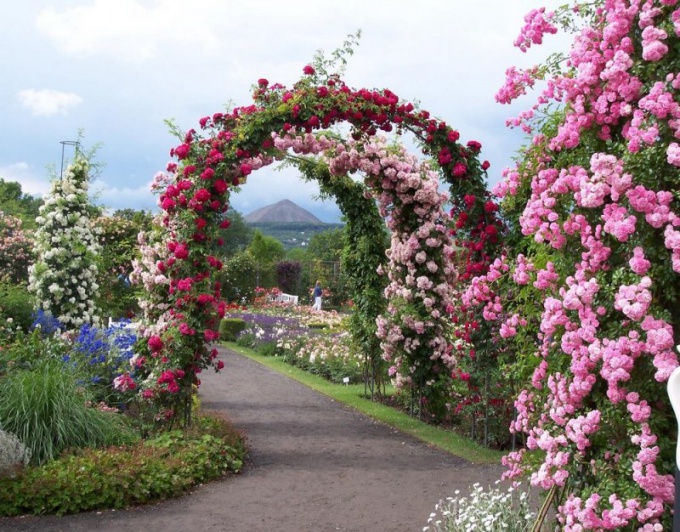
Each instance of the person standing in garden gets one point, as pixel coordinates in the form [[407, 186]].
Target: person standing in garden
[[317, 295]]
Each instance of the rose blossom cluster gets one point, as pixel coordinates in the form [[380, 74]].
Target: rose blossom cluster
[[605, 342]]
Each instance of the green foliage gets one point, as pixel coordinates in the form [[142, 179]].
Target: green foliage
[[293, 234], [328, 245], [16, 307], [47, 409], [266, 251], [118, 477], [238, 278], [117, 238], [237, 237], [28, 350], [365, 242], [289, 277], [230, 328], [15, 202]]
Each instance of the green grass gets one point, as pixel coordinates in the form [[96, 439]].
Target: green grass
[[352, 396]]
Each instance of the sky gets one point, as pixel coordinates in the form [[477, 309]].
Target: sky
[[113, 71]]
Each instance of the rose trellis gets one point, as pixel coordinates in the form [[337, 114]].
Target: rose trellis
[[233, 145]]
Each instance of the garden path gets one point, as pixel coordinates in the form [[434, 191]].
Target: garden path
[[313, 465]]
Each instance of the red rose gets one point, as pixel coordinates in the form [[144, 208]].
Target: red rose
[[474, 146], [200, 223], [246, 169], [181, 251], [445, 156], [220, 186], [459, 170], [262, 82], [155, 344], [453, 135], [167, 204], [202, 195], [182, 151], [220, 365], [208, 173], [490, 207], [224, 224], [308, 70], [486, 165], [322, 91]]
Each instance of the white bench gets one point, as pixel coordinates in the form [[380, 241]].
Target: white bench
[[286, 299]]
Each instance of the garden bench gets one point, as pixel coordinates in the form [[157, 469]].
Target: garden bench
[[283, 298]]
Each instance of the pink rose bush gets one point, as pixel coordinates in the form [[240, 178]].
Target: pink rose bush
[[595, 198]]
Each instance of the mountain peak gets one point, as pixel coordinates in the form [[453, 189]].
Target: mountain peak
[[282, 211]]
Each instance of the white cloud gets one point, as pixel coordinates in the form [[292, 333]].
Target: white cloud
[[24, 174], [48, 102], [114, 197], [128, 29]]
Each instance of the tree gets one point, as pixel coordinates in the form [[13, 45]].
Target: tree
[[327, 246], [288, 276], [237, 237], [14, 202], [266, 251], [238, 278]]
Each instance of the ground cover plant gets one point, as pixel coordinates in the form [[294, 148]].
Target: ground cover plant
[[157, 468]]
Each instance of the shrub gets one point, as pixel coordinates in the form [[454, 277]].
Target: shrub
[[47, 410], [230, 328], [14, 455], [28, 350], [16, 306], [117, 477]]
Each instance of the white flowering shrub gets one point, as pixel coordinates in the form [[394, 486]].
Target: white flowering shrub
[[63, 278], [489, 511]]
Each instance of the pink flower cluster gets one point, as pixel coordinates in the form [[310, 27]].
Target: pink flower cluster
[[604, 329]]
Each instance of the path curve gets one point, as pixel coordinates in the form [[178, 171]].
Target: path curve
[[313, 465]]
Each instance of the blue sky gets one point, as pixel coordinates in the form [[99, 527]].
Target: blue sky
[[117, 69]]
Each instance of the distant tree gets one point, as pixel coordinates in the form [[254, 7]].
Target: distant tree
[[237, 237], [298, 255], [238, 278], [327, 246], [14, 202], [142, 219], [288, 276], [266, 251]]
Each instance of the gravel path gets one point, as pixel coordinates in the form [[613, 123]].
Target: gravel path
[[313, 465]]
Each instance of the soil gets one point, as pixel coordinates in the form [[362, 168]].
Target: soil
[[313, 465]]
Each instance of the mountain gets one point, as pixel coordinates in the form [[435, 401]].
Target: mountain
[[282, 211]]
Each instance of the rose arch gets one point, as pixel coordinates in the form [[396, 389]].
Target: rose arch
[[403, 305]]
